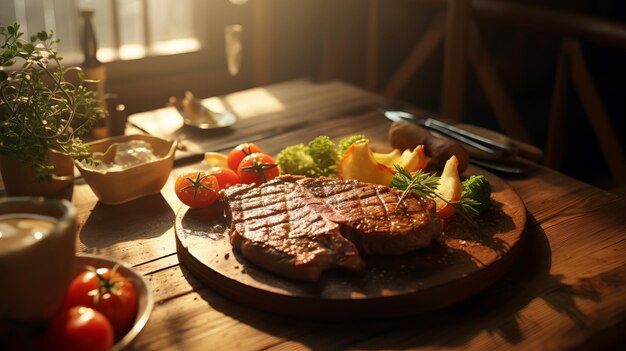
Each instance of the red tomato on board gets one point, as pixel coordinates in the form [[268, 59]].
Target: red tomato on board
[[107, 292], [238, 153], [257, 168], [196, 189], [79, 328], [226, 177]]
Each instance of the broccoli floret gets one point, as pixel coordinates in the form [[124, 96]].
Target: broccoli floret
[[295, 159], [345, 143], [477, 188], [323, 152], [318, 158]]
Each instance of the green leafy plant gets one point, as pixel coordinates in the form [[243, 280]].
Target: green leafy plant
[[43, 105]]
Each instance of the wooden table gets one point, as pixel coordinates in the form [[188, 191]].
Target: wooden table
[[567, 290]]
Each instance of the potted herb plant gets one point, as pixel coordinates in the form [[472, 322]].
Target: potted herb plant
[[44, 109]]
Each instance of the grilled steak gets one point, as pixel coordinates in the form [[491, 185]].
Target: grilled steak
[[369, 218], [298, 227], [274, 227]]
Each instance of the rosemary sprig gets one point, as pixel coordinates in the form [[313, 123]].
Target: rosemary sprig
[[420, 183], [425, 185], [466, 207]]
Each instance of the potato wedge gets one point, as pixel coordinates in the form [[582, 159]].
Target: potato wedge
[[449, 188]]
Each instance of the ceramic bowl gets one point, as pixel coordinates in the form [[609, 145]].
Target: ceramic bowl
[[145, 301], [114, 187]]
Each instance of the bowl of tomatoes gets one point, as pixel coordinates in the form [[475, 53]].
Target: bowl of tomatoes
[[106, 306]]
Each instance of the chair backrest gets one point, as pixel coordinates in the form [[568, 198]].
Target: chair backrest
[[463, 45]]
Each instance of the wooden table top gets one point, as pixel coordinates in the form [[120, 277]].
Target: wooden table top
[[568, 288]]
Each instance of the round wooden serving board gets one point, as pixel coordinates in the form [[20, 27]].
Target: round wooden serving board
[[462, 263]]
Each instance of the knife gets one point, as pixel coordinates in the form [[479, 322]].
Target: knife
[[469, 138]]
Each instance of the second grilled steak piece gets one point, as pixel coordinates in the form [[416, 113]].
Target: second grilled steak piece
[[368, 216], [274, 227]]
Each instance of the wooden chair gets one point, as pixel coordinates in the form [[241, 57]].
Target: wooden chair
[[456, 22]]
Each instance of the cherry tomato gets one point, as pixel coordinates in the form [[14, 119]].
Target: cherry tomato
[[108, 292], [238, 153], [196, 189], [79, 328], [257, 168], [226, 177]]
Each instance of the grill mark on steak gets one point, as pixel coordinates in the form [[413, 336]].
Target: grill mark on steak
[[371, 220], [274, 227], [380, 198], [297, 227]]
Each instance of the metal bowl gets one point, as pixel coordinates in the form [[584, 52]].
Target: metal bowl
[[144, 293]]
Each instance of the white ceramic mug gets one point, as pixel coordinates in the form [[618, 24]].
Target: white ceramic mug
[[37, 251]]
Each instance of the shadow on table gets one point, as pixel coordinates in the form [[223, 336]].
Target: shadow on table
[[495, 310], [146, 217]]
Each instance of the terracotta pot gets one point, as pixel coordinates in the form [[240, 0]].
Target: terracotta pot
[[19, 179]]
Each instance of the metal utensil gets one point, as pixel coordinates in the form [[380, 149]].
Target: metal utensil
[[195, 114], [472, 139], [499, 151], [498, 167]]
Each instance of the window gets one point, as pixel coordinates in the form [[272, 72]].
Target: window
[[125, 29], [153, 49]]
